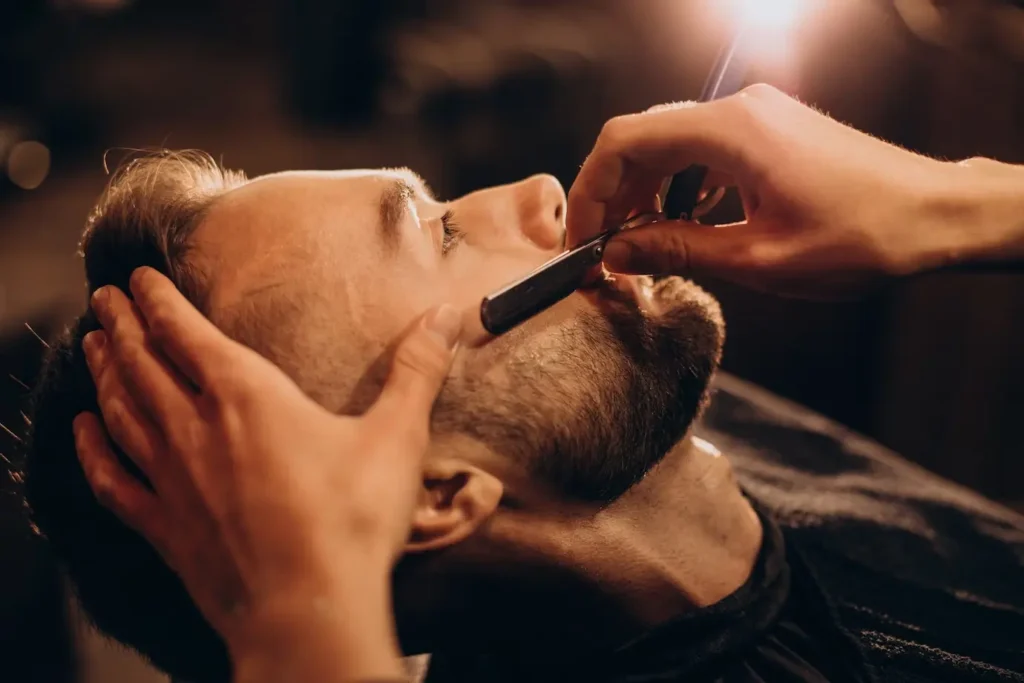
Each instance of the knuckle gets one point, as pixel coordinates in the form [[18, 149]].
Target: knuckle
[[753, 113], [677, 252], [364, 520], [749, 103], [115, 416], [877, 257], [363, 523], [744, 111], [132, 357], [760, 255], [760, 106], [160, 321], [226, 385], [107, 381], [187, 438], [233, 422], [99, 367], [121, 330], [90, 458], [177, 442], [218, 395], [102, 482], [613, 133], [421, 356], [760, 92]]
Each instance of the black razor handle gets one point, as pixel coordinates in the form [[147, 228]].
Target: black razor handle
[[541, 289], [684, 193]]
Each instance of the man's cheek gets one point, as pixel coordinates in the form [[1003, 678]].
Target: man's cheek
[[473, 279]]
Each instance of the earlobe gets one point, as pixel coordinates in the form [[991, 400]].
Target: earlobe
[[455, 500]]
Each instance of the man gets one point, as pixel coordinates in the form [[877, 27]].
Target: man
[[564, 513], [516, 426]]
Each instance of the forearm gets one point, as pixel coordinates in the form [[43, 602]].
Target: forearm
[[976, 216], [343, 636]]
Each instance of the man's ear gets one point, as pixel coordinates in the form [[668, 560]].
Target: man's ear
[[455, 500]]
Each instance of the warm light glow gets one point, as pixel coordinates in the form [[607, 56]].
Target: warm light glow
[[767, 35], [28, 164], [771, 15]]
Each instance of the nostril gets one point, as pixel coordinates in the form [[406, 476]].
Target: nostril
[[542, 210]]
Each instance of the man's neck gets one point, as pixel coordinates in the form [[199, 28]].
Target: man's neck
[[683, 538], [692, 536]]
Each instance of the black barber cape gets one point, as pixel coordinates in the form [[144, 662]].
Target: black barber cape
[[871, 570]]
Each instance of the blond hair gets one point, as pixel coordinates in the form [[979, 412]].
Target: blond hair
[[147, 215]]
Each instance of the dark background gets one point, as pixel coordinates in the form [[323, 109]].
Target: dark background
[[471, 94]]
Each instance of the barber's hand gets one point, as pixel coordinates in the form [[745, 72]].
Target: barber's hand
[[829, 209], [282, 520]]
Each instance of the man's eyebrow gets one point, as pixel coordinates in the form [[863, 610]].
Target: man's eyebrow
[[415, 181], [394, 203]]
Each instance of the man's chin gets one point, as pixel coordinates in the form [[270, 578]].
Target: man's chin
[[593, 393]]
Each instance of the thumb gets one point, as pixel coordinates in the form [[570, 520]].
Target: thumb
[[671, 248], [419, 368]]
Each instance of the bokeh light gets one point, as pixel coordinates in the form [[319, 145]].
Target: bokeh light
[[28, 164]]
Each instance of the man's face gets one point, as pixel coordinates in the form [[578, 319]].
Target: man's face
[[586, 397]]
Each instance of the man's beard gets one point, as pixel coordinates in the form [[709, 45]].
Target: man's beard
[[594, 404]]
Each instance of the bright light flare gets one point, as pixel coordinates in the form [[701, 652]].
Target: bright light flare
[[771, 15], [767, 35]]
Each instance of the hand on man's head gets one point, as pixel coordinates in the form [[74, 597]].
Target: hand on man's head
[[292, 502]]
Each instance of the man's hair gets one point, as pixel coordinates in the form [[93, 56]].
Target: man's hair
[[146, 217]]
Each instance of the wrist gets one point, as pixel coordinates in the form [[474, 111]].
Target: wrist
[[975, 214], [340, 635]]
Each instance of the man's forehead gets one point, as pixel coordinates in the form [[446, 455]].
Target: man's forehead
[[309, 231], [304, 250], [294, 205], [296, 225], [356, 178]]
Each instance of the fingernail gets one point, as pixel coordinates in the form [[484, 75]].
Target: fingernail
[[137, 275], [94, 341], [618, 253], [446, 323], [100, 297], [103, 485], [77, 430]]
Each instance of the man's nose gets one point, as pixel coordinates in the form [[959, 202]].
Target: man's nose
[[541, 202]]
